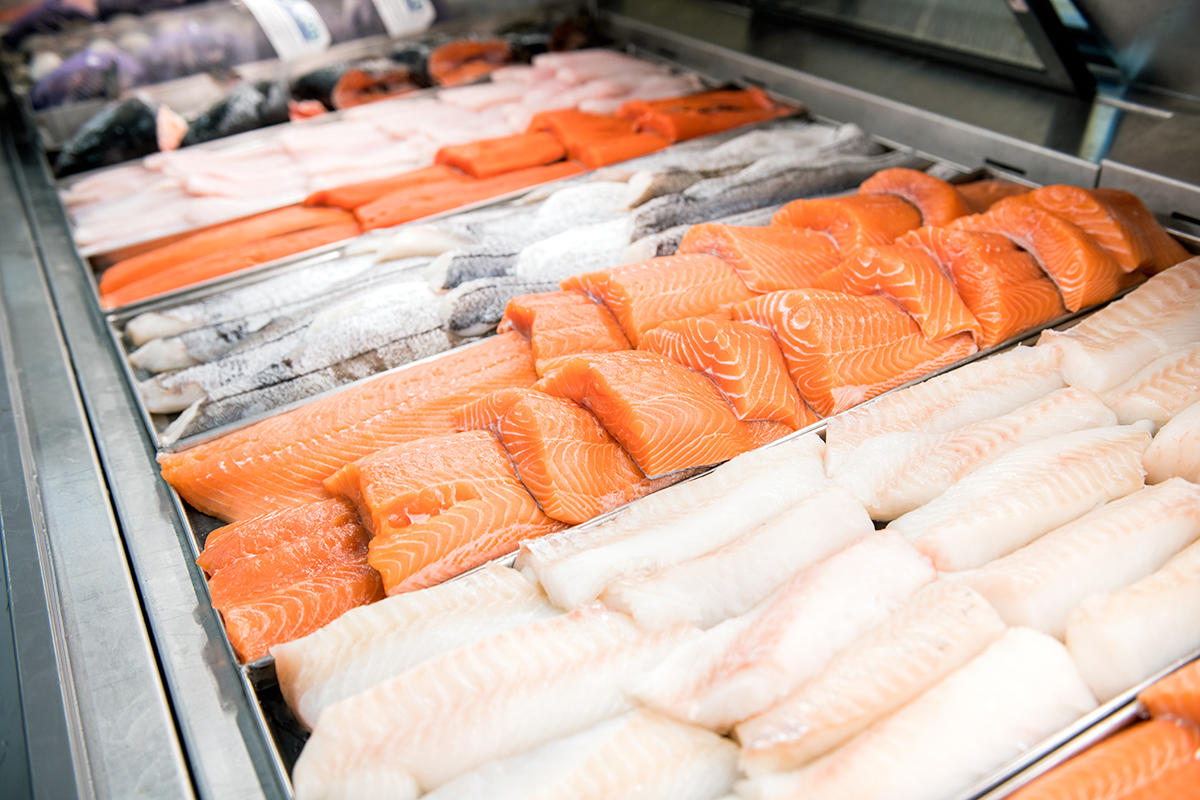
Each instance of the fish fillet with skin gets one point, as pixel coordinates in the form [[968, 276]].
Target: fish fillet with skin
[[1122, 638], [457, 711], [574, 566], [1161, 389], [765, 257], [641, 755], [1111, 547], [747, 664], [1133, 763], [896, 472], [283, 460], [943, 627], [665, 415], [1127, 207], [937, 200], [842, 350], [368, 645], [1175, 450], [971, 393], [1018, 691], [737, 576], [1025, 493], [1176, 696], [1083, 208], [1111, 345]]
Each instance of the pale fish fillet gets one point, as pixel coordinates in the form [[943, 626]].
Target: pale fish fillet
[[943, 627], [492, 699], [1122, 638], [1175, 450], [681, 522], [1014, 694], [1025, 493], [1113, 546], [747, 664], [1161, 389], [639, 756], [734, 578], [370, 644], [972, 393], [894, 473], [1159, 316]]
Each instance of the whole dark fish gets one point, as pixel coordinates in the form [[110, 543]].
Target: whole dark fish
[[129, 129], [248, 107]]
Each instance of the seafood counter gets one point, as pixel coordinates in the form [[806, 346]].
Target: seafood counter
[[602, 429]]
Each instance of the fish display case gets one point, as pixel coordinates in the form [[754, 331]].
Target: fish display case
[[127, 683]]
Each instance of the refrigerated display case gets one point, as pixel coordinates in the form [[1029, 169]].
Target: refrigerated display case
[[118, 678]]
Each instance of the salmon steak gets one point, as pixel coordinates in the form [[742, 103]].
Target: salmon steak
[[743, 361], [666, 416], [842, 350], [766, 257], [852, 221], [937, 200], [648, 293]]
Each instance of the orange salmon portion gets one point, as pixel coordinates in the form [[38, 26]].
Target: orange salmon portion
[[562, 454], [715, 100], [767, 257], [466, 60], [981, 195], [487, 158], [852, 221], [1080, 207], [1176, 696], [1003, 287], [1137, 762], [644, 295], [1084, 272], [910, 277], [561, 324], [666, 416], [602, 152], [267, 532], [842, 350], [742, 360], [1165, 252], [679, 126], [577, 130], [282, 461], [353, 195], [938, 201]]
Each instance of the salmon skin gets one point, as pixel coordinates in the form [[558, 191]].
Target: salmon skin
[[282, 461], [465, 60], [439, 506], [227, 261], [766, 257], [938, 201], [216, 240], [285, 574], [852, 221], [353, 195], [488, 158], [842, 350], [561, 324], [563, 455], [666, 416]]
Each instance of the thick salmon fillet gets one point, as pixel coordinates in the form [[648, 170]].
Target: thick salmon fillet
[[646, 294], [938, 201], [742, 359], [1002, 286], [560, 324], [666, 416], [913, 279], [282, 461], [842, 350], [1081, 207], [265, 533], [1177, 695], [487, 158], [353, 195], [981, 195], [602, 152], [1127, 207], [852, 221], [767, 257]]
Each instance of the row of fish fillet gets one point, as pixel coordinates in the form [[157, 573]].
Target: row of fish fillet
[[750, 629]]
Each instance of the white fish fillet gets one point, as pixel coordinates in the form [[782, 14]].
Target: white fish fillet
[[368, 645], [575, 566], [1122, 638], [640, 756], [1175, 450], [943, 627], [1018, 691], [1159, 316], [974, 392], [734, 578], [1025, 493], [746, 664], [1115, 545], [894, 473], [1160, 390], [491, 699]]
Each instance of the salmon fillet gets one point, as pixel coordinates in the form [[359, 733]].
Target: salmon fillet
[[1177, 695], [353, 195], [981, 195], [264, 533], [602, 152], [851, 221], [937, 200], [487, 158], [767, 257], [560, 324], [1081, 207], [1165, 252]]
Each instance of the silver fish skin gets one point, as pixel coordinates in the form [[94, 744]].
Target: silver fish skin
[[475, 307], [665, 243], [582, 249], [353, 328]]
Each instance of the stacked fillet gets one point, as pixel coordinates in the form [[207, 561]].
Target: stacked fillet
[[620, 383]]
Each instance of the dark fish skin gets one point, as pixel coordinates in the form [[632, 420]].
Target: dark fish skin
[[248, 107], [415, 56], [476, 306], [318, 84], [124, 130]]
